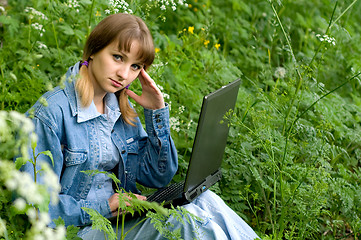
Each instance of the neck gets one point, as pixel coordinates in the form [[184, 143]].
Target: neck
[[99, 104]]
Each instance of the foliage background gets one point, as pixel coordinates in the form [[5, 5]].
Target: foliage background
[[292, 165]]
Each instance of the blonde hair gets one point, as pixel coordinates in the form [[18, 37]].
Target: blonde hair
[[123, 29]]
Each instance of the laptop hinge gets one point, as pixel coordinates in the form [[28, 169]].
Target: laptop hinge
[[207, 183]]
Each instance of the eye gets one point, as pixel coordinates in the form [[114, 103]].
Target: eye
[[136, 67], [117, 57]]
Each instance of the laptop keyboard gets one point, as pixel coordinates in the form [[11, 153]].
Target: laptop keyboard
[[166, 194]]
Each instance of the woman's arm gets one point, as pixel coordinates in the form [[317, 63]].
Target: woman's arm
[[157, 152]]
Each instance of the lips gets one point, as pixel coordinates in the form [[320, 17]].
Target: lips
[[115, 83]]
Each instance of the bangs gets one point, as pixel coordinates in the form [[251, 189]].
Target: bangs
[[145, 52], [123, 29]]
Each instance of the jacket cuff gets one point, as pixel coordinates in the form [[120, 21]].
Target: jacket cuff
[[157, 120]]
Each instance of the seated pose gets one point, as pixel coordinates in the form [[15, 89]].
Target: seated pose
[[89, 124]]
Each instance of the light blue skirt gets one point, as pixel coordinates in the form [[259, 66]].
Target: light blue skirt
[[217, 221]]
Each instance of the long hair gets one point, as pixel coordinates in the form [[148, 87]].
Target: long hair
[[123, 29]]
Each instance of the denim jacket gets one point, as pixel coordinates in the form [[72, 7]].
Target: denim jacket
[[147, 157]]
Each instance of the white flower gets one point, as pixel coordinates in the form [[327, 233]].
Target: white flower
[[11, 184], [33, 12], [166, 96], [2, 9], [189, 124], [27, 125], [2, 227], [20, 204], [326, 38], [280, 72], [181, 109], [174, 123], [52, 183], [31, 213], [39, 237], [162, 7]]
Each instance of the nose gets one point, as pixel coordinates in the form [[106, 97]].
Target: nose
[[123, 71]]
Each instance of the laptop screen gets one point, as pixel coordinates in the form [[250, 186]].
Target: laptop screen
[[211, 135]]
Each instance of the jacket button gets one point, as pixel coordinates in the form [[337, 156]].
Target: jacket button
[[112, 130], [123, 151]]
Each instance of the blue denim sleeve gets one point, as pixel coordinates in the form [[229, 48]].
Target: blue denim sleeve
[[68, 208], [160, 160]]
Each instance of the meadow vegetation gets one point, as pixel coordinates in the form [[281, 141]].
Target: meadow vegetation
[[292, 167]]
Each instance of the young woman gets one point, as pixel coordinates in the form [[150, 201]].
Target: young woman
[[90, 125]]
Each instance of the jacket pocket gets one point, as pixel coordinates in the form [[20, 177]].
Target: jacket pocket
[[74, 164], [132, 146], [74, 157]]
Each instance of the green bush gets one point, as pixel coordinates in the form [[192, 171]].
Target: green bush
[[292, 164]]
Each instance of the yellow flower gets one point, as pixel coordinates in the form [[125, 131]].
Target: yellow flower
[[195, 9], [190, 29], [190, 5], [157, 50], [206, 42], [61, 20], [217, 46], [98, 14]]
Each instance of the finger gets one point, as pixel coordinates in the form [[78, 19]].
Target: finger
[[147, 80], [141, 197], [133, 95]]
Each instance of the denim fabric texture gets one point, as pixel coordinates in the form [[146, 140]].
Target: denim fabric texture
[[82, 139]]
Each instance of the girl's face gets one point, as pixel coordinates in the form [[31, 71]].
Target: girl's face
[[112, 69]]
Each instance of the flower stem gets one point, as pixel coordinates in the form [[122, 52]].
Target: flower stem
[[90, 16]]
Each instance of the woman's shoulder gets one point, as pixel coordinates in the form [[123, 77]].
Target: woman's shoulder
[[51, 106]]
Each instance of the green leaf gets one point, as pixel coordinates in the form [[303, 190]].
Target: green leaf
[[20, 161], [101, 223], [48, 153], [67, 30], [72, 233]]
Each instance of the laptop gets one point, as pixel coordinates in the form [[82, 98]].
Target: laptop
[[204, 169]]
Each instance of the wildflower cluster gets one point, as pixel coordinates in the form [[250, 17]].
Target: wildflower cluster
[[20, 194], [326, 38], [41, 45], [9, 146], [22, 186], [73, 4], [33, 13], [116, 6], [35, 16], [164, 4], [165, 95], [175, 122]]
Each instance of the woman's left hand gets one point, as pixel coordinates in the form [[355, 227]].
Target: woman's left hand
[[152, 97]]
